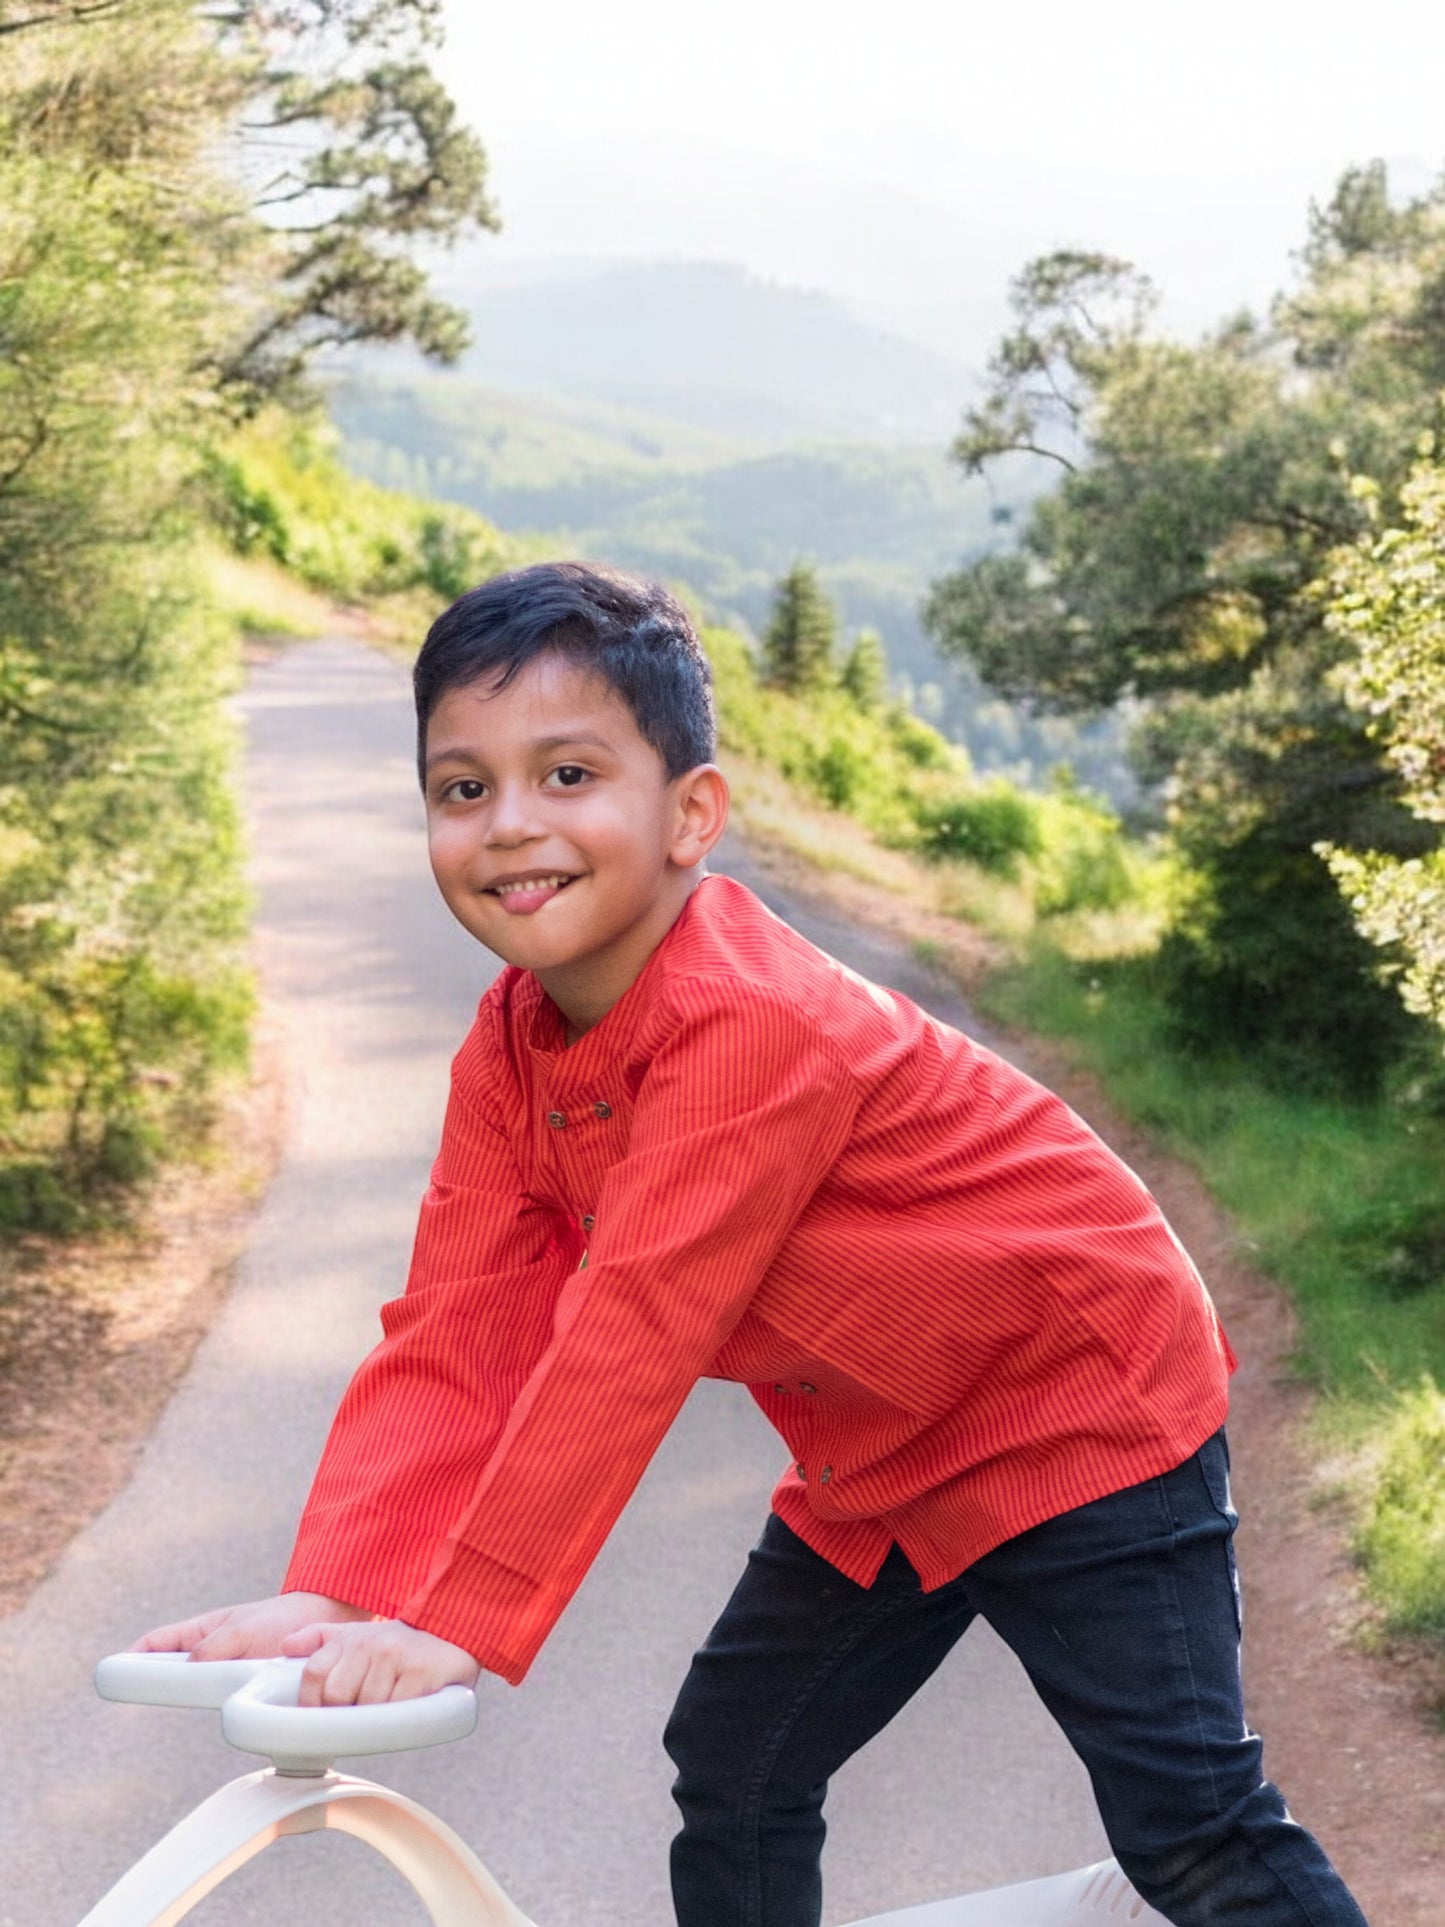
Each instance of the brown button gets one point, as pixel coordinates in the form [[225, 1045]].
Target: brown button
[[811, 1390], [556, 1119], [780, 1388], [588, 1222], [825, 1475], [601, 1108], [802, 1472]]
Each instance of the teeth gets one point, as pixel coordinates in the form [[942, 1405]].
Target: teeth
[[534, 883]]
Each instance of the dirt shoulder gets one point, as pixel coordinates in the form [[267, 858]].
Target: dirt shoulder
[[96, 1333], [96, 1336]]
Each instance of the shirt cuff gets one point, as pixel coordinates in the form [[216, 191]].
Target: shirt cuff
[[498, 1616]]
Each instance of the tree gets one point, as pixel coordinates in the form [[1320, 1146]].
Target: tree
[[1073, 312], [1386, 597], [357, 155], [144, 302], [1203, 487], [352, 152], [798, 647], [865, 670], [120, 897]]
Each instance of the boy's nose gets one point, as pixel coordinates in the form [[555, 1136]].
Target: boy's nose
[[513, 817]]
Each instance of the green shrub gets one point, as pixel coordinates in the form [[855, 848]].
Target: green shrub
[[277, 489], [839, 773], [1401, 1541], [993, 825], [919, 744], [1082, 862]]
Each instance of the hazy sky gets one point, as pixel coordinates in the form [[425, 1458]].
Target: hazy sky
[[912, 153]]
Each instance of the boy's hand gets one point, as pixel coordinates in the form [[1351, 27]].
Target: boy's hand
[[253, 1631], [383, 1660]]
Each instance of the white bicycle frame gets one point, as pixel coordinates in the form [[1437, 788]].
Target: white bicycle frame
[[300, 1793]]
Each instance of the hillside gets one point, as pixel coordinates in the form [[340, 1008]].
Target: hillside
[[725, 517], [707, 344]]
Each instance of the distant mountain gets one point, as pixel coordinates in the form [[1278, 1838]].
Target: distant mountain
[[725, 519], [707, 344]]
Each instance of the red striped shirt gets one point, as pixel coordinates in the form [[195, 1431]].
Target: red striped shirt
[[961, 1311]]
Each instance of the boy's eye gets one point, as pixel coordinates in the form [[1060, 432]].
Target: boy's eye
[[569, 775], [466, 789]]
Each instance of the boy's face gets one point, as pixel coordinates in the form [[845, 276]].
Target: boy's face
[[555, 837]]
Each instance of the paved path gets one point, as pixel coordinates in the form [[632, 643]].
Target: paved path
[[564, 1788]]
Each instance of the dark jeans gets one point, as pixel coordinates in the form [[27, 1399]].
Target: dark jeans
[[1125, 1614]]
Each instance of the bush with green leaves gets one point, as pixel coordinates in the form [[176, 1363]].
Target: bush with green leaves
[[275, 488], [1385, 596], [1203, 490], [915, 790], [120, 898], [991, 824], [1401, 1538], [147, 303]]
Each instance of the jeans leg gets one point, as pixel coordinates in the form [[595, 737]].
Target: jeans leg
[[1125, 1614], [802, 1668]]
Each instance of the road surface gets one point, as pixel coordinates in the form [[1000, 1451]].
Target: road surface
[[563, 1790]]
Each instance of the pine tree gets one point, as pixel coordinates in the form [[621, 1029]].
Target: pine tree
[[798, 646], [865, 670]]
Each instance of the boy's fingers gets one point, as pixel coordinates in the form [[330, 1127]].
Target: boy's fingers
[[233, 1639], [345, 1678], [304, 1642], [319, 1684], [181, 1637], [380, 1682]]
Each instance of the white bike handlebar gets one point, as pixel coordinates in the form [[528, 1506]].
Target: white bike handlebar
[[257, 1703]]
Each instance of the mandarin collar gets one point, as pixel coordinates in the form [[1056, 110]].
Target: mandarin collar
[[609, 1037]]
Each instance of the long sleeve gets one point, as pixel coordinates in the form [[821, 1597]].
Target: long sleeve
[[425, 1409], [740, 1115]]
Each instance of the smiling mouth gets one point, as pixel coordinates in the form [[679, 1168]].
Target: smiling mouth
[[522, 897]]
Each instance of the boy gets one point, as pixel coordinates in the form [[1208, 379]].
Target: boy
[[682, 1142]]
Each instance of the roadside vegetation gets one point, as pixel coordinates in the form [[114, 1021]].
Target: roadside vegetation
[[1246, 541], [193, 204], [283, 514]]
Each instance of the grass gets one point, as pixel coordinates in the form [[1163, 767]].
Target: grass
[[1401, 1537], [257, 597]]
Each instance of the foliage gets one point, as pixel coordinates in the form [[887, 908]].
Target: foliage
[[275, 488], [359, 155], [802, 633], [132, 263], [993, 826], [1401, 1539], [1203, 488], [916, 790], [119, 892], [864, 674], [1386, 597]]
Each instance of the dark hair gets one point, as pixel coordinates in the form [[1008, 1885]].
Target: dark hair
[[635, 636]]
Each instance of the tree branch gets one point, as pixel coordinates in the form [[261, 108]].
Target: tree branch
[[74, 15]]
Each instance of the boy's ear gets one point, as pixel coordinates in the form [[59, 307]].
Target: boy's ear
[[701, 804]]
